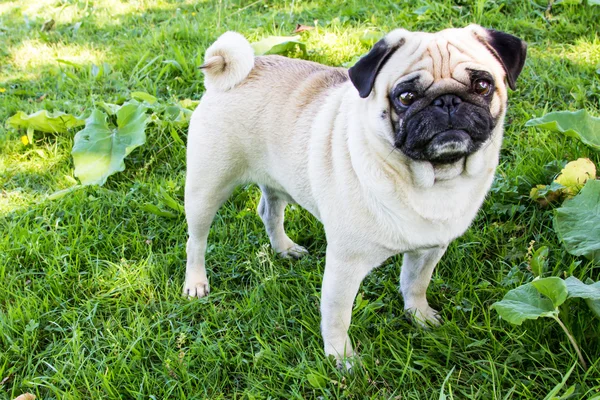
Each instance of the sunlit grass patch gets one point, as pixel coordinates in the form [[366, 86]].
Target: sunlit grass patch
[[585, 51], [33, 54]]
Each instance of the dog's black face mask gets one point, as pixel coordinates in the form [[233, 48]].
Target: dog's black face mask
[[443, 124]]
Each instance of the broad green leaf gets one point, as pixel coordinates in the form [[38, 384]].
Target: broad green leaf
[[278, 45], [538, 261], [99, 151], [594, 305], [524, 302], [577, 222], [143, 96], [577, 288], [553, 288], [151, 208], [572, 123], [43, 121]]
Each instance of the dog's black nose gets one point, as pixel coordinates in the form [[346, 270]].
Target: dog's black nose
[[448, 102]]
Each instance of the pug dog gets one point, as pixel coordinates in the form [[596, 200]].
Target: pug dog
[[394, 155]]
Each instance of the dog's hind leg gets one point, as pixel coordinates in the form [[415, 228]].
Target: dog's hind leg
[[202, 201], [271, 210]]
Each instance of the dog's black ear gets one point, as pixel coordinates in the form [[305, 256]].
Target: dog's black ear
[[363, 73], [510, 51]]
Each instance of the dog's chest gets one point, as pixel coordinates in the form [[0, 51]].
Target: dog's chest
[[404, 220]]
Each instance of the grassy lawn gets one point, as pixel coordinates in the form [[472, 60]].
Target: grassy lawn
[[90, 293]]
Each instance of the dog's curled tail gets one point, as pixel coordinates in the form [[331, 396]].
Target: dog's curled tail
[[227, 62]]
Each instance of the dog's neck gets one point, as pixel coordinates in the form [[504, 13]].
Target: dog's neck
[[451, 192]]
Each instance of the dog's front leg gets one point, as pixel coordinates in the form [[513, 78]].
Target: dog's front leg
[[342, 278], [417, 268]]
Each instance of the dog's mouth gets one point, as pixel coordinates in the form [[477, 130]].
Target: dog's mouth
[[444, 135], [444, 147], [448, 147]]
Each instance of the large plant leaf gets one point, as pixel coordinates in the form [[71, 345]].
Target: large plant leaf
[[594, 305], [577, 222], [278, 45], [572, 123], [43, 121], [524, 302], [553, 288], [577, 288], [590, 292], [99, 151]]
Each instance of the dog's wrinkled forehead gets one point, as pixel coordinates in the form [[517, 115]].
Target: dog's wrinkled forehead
[[448, 55]]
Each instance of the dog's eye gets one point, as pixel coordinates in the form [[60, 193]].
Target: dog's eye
[[482, 87], [407, 98]]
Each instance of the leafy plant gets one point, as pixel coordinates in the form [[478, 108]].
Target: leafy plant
[[542, 298], [43, 121], [578, 124], [577, 222], [279, 45], [99, 150]]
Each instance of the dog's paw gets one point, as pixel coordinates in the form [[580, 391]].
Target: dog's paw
[[345, 364], [425, 317], [196, 288], [295, 252]]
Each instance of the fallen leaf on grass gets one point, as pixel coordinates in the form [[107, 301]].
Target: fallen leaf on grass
[[303, 28], [26, 396], [278, 45], [575, 174], [43, 121], [568, 183]]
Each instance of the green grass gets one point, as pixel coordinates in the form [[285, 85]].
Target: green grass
[[90, 303]]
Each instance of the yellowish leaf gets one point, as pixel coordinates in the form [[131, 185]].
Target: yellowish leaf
[[26, 396], [575, 174]]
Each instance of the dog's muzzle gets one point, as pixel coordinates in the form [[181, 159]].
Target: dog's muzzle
[[446, 130]]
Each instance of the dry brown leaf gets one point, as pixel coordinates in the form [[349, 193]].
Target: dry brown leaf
[[26, 396], [303, 28]]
